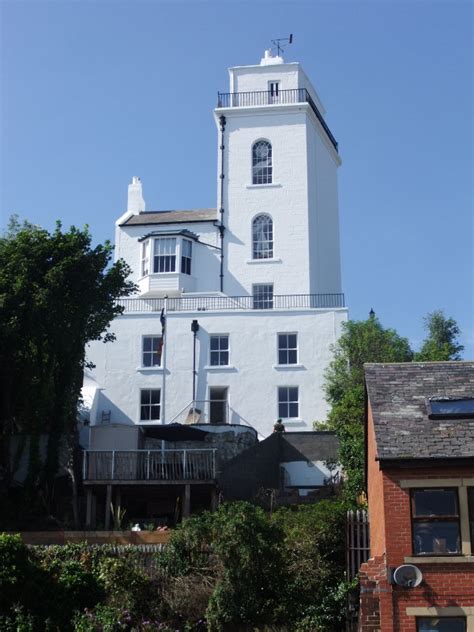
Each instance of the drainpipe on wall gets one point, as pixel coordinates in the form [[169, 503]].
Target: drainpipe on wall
[[222, 123]]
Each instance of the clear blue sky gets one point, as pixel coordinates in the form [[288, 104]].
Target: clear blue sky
[[95, 92]]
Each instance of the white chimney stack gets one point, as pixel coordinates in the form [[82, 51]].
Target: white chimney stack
[[136, 203]]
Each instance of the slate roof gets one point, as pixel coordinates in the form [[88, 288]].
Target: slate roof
[[397, 395], [172, 217]]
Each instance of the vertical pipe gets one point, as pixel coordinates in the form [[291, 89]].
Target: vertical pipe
[[113, 465], [194, 371], [163, 318], [84, 466], [222, 123]]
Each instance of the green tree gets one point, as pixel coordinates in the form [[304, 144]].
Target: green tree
[[57, 293], [360, 342], [442, 341]]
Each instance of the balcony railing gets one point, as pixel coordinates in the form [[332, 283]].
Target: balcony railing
[[284, 97], [149, 465], [232, 303]]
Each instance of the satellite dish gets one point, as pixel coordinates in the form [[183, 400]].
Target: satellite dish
[[407, 575]]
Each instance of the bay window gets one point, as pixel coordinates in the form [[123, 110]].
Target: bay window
[[164, 254]]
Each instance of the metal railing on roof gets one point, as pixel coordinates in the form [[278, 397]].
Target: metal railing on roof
[[232, 303], [266, 97]]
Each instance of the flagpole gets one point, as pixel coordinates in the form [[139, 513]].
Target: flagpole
[[164, 312]]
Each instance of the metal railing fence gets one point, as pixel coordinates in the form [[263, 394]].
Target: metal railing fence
[[144, 465], [266, 97], [222, 303]]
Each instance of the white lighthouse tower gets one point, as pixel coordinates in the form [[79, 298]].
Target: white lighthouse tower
[[277, 183]]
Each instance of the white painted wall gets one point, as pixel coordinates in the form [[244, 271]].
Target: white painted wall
[[306, 473], [302, 201], [252, 375]]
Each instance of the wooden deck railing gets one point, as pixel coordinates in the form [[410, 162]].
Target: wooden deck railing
[[149, 465]]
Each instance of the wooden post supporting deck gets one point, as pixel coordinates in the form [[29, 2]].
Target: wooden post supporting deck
[[187, 501], [108, 500], [89, 508]]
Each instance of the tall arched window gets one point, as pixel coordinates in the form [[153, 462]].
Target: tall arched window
[[262, 162], [262, 237]]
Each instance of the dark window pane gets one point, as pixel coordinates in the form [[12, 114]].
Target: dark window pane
[[224, 342], [145, 397], [224, 358], [145, 414], [282, 358], [156, 343], [435, 502], [214, 343], [283, 410], [155, 412], [147, 344], [147, 359], [452, 407], [441, 624], [292, 359], [293, 410], [436, 536], [293, 394], [292, 341], [155, 396]]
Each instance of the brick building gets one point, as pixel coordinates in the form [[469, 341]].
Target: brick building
[[420, 485]]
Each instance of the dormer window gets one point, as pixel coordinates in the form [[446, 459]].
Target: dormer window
[[167, 253], [164, 254]]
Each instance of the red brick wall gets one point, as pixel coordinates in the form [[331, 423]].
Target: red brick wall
[[389, 511], [375, 494]]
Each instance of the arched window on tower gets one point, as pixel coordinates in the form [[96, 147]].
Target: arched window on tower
[[262, 237], [262, 162]]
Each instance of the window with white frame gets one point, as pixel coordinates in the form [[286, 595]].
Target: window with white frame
[[186, 256], [262, 237], [152, 348], [145, 262], [219, 350], [287, 348], [263, 296], [164, 254], [262, 167], [150, 404], [288, 402]]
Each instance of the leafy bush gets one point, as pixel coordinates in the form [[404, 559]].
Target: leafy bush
[[237, 568], [126, 586]]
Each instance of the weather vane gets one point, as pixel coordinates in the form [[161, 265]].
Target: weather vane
[[281, 43]]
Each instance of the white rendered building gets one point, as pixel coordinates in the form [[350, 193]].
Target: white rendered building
[[260, 274]]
